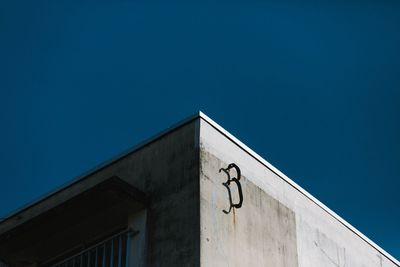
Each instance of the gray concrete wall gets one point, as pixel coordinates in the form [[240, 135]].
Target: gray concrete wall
[[262, 233], [278, 224], [167, 170]]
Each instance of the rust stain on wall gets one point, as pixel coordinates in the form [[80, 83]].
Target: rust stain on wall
[[234, 216]]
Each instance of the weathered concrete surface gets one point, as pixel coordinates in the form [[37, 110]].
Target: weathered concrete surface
[[261, 233], [167, 170], [275, 217], [279, 225]]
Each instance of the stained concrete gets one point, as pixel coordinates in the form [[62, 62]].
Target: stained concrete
[[279, 224], [310, 234], [166, 170], [261, 233]]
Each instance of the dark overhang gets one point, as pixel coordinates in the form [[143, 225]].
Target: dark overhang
[[92, 213]]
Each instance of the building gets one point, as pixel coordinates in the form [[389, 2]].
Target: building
[[192, 196]]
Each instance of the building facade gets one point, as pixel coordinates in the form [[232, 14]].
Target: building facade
[[192, 196]]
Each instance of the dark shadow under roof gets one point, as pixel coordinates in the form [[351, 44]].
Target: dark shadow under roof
[[93, 213]]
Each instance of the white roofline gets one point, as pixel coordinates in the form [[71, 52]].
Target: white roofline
[[296, 186]]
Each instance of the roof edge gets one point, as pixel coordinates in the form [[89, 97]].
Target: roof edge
[[215, 125], [296, 186], [102, 165]]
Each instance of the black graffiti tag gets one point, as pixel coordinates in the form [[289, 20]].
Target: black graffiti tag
[[236, 180]]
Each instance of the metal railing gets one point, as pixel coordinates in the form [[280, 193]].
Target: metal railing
[[112, 252]]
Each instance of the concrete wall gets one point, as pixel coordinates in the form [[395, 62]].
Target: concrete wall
[[165, 169], [278, 225]]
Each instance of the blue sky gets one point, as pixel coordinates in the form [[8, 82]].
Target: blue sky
[[313, 87]]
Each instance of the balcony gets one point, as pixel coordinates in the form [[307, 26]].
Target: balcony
[[85, 227], [111, 252]]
